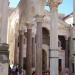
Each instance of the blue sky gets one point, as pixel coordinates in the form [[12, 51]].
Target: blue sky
[[66, 7]]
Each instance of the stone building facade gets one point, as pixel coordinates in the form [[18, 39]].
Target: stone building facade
[[42, 40]]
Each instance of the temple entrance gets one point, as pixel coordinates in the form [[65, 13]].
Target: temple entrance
[[44, 60]]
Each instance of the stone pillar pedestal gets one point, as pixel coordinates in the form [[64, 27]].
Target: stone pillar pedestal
[[29, 50], [39, 19], [54, 36], [54, 62], [4, 59]]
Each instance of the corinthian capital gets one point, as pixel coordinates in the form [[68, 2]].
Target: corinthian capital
[[29, 24], [54, 3], [39, 18]]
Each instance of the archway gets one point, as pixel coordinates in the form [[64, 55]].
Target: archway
[[46, 36], [45, 51]]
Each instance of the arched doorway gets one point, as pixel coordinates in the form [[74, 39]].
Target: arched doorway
[[46, 36], [44, 60], [45, 41]]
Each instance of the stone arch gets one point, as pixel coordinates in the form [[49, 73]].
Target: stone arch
[[46, 37], [47, 27]]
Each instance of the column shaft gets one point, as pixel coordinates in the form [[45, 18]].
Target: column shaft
[[15, 51], [29, 52], [54, 44], [54, 37], [74, 64], [67, 54], [20, 47], [33, 51], [39, 49]]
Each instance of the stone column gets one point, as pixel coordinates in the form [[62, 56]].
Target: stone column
[[74, 32], [67, 53], [74, 63], [73, 39], [33, 51], [15, 51], [39, 19], [29, 50], [20, 46], [54, 37]]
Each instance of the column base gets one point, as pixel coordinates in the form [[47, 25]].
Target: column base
[[54, 61], [4, 59]]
